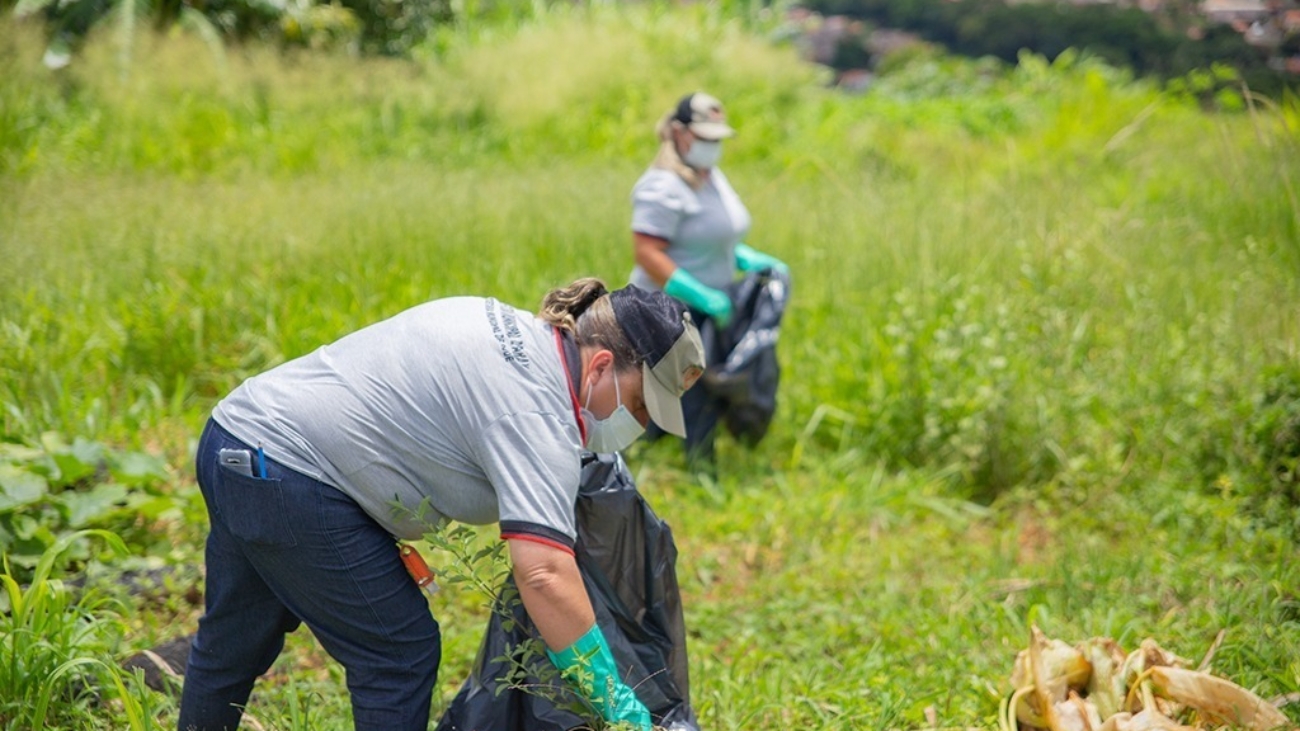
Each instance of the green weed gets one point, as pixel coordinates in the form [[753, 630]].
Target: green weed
[[57, 489], [55, 657]]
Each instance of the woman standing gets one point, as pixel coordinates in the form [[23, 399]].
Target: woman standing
[[688, 228], [462, 409]]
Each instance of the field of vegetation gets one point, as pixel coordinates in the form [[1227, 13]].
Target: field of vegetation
[[1041, 366]]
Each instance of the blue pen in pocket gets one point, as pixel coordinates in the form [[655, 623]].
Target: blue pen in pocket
[[261, 462]]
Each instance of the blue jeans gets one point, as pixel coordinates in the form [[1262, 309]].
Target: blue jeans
[[288, 550]]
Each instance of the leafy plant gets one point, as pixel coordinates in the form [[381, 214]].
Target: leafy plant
[[485, 570], [53, 490], [1277, 430]]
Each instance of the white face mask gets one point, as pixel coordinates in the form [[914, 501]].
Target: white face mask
[[614, 433], [703, 154]]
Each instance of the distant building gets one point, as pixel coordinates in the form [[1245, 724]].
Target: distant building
[[1235, 11], [1263, 33]]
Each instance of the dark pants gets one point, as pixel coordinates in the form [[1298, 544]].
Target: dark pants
[[701, 411], [288, 550]]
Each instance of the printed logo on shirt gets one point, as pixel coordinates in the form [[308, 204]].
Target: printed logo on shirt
[[505, 328]]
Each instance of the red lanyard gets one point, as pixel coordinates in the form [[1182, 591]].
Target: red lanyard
[[568, 381]]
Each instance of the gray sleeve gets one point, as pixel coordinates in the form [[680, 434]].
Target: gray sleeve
[[658, 204], [534, 464]]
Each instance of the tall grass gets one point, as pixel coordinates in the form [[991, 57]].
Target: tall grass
[[1043, 325], [53, 672]]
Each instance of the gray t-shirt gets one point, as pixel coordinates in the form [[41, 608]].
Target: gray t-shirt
[[702, 226], [463, 402]]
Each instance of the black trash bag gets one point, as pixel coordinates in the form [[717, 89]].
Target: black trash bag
[[627, 558], [744, 377]]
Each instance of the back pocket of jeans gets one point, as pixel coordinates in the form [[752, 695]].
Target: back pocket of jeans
[[254, 509]]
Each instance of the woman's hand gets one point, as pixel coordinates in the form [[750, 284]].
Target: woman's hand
[[652, 257], [588, 666], [713, 302], [748, 259]]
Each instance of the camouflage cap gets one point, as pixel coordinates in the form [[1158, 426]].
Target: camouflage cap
[[703, 116]]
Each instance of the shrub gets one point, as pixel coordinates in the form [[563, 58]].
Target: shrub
[[1275, 434], [51, 492]]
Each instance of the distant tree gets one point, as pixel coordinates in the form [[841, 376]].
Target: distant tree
[[1124, 37], [381, 27], [394, 27], [1223, 45], [851, 53], [1290, 45]]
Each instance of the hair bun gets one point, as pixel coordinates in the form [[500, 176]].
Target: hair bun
[[563, 306], [587, 297]]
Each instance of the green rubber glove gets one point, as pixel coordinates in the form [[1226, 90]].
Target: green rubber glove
[[748, 259], [713, 302], [588, 665]]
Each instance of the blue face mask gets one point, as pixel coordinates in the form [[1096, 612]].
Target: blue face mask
[[615, 432]]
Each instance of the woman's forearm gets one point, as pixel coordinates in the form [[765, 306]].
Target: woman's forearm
[[651, 256], [552, 591]]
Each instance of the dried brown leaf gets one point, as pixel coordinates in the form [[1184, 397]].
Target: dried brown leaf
[[1221, 700]]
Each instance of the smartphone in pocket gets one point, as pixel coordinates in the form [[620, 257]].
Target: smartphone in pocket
[[239, 460]]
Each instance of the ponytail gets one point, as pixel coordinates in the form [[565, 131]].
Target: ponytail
[[667, 158], [561, 307], [583, 309]]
